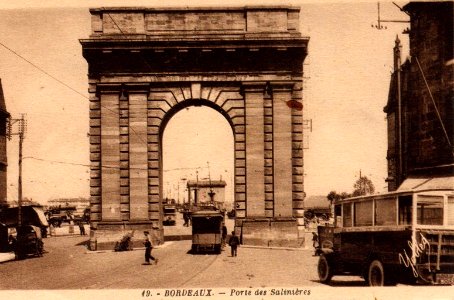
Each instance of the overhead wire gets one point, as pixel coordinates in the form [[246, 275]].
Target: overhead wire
[[67, 85], [104, 166]]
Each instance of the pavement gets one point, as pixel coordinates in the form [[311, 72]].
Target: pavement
[[7, 256], [171, 233]]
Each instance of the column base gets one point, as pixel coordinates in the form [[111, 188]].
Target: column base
[[104, 235], [276, 232]]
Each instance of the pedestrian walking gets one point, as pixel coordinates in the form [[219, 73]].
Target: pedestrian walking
[[186, 219], [148, 248], [234, 242], [224, 235], [315, 243], [81, 228]]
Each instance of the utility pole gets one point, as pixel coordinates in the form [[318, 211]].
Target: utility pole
[[21, 129], [397, 67]]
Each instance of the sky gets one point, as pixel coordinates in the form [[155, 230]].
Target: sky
[[346, 83]]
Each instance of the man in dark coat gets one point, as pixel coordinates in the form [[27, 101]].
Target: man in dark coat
[[148, 247], [234, 242], [81, 228], [224, 235]]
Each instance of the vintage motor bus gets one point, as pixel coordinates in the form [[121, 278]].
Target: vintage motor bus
[[170, 215], [405, 236], [207, 230]]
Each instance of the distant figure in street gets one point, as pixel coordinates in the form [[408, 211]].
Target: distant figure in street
[[12, 243], [81, 228], [315, 242], [186, 219], [234, 241], [224, 235], [148, 247]]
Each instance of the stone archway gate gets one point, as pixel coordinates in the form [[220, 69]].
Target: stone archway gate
[[145, 64]]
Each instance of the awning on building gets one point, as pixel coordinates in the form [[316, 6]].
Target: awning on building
[[31, 215], [427, 183]]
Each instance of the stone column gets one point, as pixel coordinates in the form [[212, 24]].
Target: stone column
[[138, 156], [110, 151], [282, 147], [255, 149]]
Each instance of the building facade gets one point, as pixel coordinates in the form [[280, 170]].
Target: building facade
[[420, 106], [206, 192], [146, 64]]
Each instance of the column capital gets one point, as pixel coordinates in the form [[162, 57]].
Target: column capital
[[253, 87], [282, 86], [136, 88], [108, 88]]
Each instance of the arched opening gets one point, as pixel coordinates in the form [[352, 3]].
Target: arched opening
[[197, 158]]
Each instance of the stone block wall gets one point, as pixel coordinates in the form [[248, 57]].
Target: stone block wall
[[431, 43], [156, 22]]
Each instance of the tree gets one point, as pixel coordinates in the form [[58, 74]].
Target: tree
[[334, 196], [363, 186]]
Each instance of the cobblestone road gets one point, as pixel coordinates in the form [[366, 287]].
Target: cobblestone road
[[67, 265]]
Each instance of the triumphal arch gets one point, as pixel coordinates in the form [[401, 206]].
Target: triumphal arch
[[146, 64]]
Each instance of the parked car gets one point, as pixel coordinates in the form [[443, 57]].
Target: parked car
[[28, 241], [170, 215]]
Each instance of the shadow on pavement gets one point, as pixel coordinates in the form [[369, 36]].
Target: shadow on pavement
[[83, 243], [190, 251], [345, 283]]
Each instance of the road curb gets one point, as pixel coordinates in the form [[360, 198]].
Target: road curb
[[275, 248]]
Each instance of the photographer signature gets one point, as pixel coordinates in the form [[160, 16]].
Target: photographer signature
[[418, 250]]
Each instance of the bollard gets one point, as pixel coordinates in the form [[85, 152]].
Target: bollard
[[93, 245], [52, 230]]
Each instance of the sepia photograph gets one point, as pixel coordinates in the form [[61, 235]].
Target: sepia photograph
[[246, 149]]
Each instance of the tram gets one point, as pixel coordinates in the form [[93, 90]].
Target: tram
[[207, 231]]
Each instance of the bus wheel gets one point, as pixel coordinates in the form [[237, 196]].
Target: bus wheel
[[325, 270], [376, 274]]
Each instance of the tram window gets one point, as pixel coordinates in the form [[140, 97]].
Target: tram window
[[385, 212], [338, 210], [405, 210], [430, 210], [450, 210], [347, 215], [363, 213], [338, 215]]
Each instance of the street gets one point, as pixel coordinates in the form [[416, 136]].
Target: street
[[68, 265]]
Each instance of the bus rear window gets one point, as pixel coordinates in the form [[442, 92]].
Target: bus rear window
[[430, 210]]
